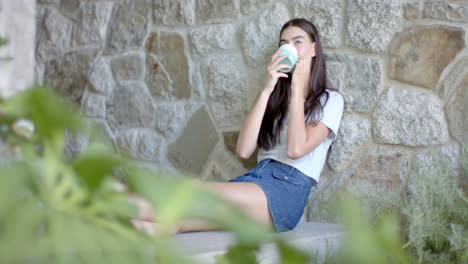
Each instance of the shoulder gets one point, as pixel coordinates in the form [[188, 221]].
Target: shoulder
[[334, 98]]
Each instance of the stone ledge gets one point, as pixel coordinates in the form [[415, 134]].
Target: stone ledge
[[313, 238]]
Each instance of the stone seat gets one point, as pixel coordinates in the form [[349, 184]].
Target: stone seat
[[316, 239]]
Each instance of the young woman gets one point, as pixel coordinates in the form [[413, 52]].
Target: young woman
[[293, 121]]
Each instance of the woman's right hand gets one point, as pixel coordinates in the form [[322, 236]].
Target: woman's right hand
[[274, 72]]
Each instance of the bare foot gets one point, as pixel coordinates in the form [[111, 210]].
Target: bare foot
[[147, 227], [145, 210], [152, 228]]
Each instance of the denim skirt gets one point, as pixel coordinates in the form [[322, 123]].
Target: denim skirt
[[286, 188]]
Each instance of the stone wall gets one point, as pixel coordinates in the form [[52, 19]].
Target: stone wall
[[171, 81]]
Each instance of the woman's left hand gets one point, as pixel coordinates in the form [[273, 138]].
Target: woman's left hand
[[301, 74]]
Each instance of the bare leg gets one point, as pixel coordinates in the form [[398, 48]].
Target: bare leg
[[247, 196]]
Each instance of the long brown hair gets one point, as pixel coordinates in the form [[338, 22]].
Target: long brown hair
[[277, 107]]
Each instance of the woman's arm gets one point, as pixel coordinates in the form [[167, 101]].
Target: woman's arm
[[248, 135], [302, 138]]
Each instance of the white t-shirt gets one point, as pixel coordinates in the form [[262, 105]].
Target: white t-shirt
[[312, 163]]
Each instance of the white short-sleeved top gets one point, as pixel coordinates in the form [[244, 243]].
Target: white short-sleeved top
[[312, 163]]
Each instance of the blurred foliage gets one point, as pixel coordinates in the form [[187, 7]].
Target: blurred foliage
[[59, 209], [369, 240], [436, 213]]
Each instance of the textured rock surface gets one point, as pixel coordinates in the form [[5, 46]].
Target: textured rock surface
[[93, 23], [217, 11], [206, 41], [130, 106], [409, 117], [56, 36], [128, 67], [128, 25], [457, 112], [142, 144], [69, 74], [192, 149], [170, 119], [169, 12], [168, 67], [252, 6], [371, 23], [457, 12], [422, 64], [448, 86], [226, 91], [94, 105], [378, 176], [101, 78], [354, 132], [448, 155], [411, 10], [261, 36], [357, 79], [326, 15]]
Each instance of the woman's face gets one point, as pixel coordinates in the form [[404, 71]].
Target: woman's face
[[300, 39]]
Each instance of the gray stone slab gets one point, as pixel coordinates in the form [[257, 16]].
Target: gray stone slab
[[310, 237]]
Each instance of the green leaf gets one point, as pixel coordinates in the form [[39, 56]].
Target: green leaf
[[3, 41], [95, 164], [290, 255], [239, 254], [47, 110]]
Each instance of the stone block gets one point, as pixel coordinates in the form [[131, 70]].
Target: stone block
[[69, 74], [457, 12], [191, 150], [416, 57], [227, 95], [217, 11], [410, 117], [251, 6], [326, 16], [170, 119], [128, 26], [457, 112], [93, 23], [130, 66], [448, 86], [352, 136], [168, 66], [142, 144], [357, 79], [56, 37], [101, 78], [130, 105], [261, 36], [208, 40], [379, 179], [411, 10], [445, 157], [371, 23], [93, 105], [169, 12]]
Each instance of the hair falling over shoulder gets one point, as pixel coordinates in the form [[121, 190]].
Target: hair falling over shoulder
[[278, 103]]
